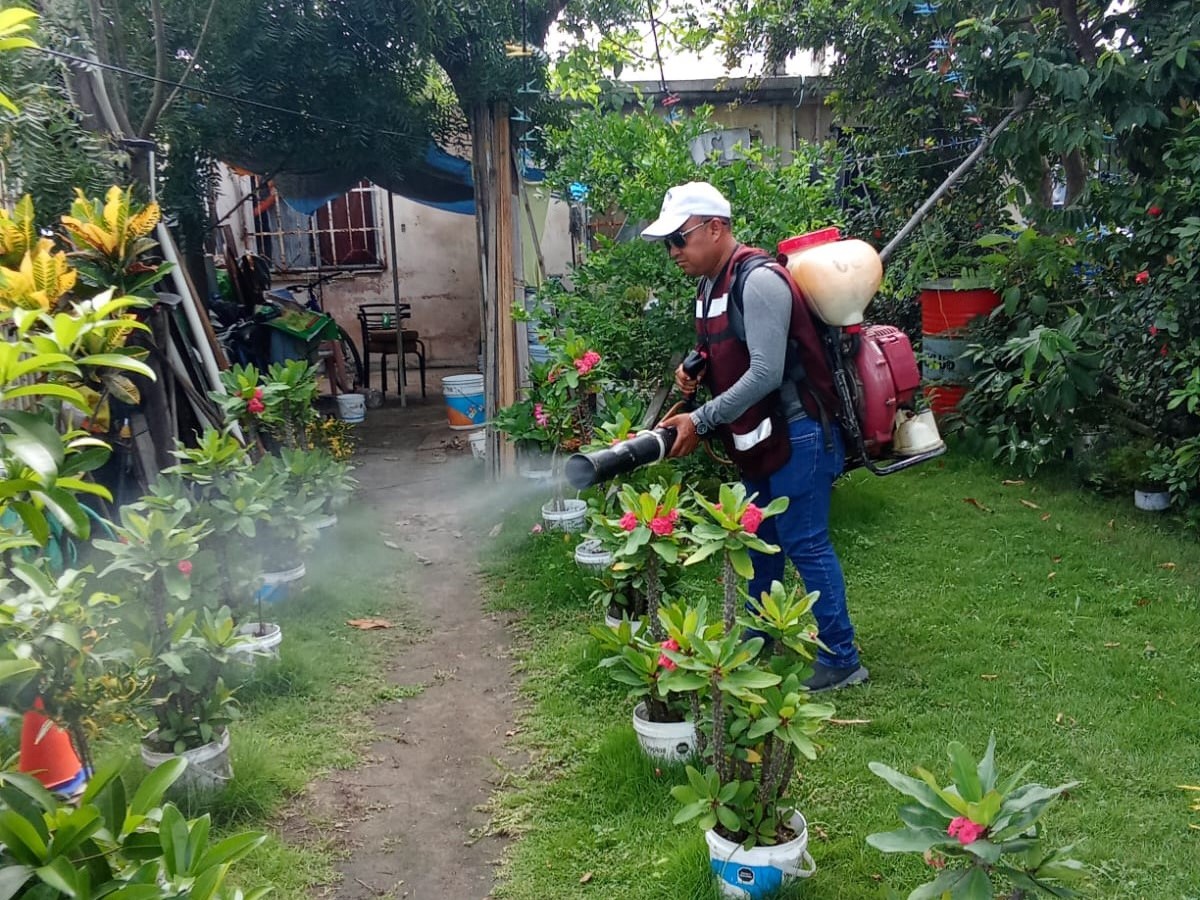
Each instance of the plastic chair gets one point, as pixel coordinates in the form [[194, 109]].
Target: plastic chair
[[377, 321]]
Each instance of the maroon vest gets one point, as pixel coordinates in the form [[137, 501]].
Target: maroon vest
[[757, 441]]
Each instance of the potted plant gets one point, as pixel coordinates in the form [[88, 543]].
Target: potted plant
[[224, 490], [981, 834], [290, 531], [761, 721], [557, 413], [182, 650], [748, 672], [660, 718], [295, 390], [646, 539], [324, 476], [109, 844], [52, 621], [1134, 466]]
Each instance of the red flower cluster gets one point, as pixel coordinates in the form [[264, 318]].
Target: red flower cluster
[[184, 566], [1154, 211], [665, 661], [1141, 277], [255, 404], [751, 519], [628, 521], [587, 362], [965, 830]]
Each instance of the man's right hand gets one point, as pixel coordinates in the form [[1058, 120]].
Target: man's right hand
[[686, 384]]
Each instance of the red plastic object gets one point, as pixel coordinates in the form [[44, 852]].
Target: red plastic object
[[946, 309], [944, 398], [50, 759], [811, 239]]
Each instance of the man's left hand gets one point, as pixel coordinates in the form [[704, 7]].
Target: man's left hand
[[686, 438]]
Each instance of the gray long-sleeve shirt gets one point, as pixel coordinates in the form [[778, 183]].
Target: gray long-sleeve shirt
[[767, 305]]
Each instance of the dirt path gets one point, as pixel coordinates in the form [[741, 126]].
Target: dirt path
[[409, 813]]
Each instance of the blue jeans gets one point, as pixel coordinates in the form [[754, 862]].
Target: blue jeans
[[802, 533]]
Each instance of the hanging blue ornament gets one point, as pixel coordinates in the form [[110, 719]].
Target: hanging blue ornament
[[578, 191], [953, 78], [939, 44], [925, 9]]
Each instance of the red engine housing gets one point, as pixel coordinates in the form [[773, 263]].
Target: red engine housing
[[888, 378]]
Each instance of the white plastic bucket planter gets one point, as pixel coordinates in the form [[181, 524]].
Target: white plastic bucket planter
[[352, 407], [478, 442], [258, 646], [325, 521], [1152, 501], [758, 872], [635, 625], [464, 401], [669, 741], [208, 767], [592, 556], [284, 576], [570, 518]]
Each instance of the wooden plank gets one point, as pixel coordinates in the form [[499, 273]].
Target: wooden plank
[[505, 240]]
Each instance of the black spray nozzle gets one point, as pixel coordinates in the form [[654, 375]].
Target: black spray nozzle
[[693, 365], [585, 469]]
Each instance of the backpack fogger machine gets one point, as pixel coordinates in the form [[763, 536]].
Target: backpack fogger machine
[[874, 369]]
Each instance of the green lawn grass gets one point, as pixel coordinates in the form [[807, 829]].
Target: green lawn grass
[[1064, 622]]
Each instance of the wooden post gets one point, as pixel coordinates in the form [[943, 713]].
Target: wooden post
[[495, 209], [400, 371]]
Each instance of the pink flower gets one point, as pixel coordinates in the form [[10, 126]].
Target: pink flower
[[1154, 211], [1142, 277], [184, 566], [256, 407], [665, 661], [1153, 330], [965, 830], [629, 521], [673, 516], [539, 415], [587, 362], [536, 529], [751, 519], [662, 526], [258, 394]]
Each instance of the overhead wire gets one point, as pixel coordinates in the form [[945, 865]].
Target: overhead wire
[[84, 62]]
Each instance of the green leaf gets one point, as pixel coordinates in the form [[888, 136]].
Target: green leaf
[[987, 766], [911, 787], [740, 560], [728, 818], [907, 840], [975, 886], [12, 879], [962, 768], [231, 849], [60, 875], [34, 441], [150, 792]]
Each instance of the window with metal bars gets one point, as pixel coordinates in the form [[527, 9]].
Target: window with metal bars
[[342, 234]]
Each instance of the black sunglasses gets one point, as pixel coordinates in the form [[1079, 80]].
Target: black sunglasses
[[678, 239]]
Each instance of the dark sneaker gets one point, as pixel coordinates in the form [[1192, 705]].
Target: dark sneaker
[[832, 678]]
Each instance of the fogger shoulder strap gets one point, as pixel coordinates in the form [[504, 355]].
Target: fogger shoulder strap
[[793, 365]]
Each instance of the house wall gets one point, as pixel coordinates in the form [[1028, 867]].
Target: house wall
[[438, 267]]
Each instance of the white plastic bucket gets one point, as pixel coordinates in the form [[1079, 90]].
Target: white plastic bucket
[[352, 407], [571, 517], [635, 625], [592, 556], [669, 741], [208, 767], [1152, 501], [257, 646], [285, 576], [750, 874], [464, 401], [478, 442]]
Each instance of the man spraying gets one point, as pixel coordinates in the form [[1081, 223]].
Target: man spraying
[[772, 406]]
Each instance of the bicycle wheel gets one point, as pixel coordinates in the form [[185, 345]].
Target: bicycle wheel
[[353, 362]]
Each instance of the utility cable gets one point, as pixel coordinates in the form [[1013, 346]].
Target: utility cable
[[83, 62]]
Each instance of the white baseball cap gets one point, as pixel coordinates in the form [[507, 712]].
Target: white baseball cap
[[696, 198]]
